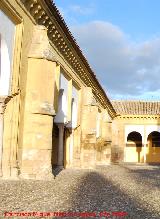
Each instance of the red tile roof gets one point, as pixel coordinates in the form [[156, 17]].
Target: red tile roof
[[132, 107]]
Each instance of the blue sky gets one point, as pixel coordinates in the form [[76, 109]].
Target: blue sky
[[121, 40]]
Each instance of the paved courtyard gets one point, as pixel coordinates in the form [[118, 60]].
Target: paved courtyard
[[134, 189]]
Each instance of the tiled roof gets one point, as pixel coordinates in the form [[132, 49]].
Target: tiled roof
[[124, 107]]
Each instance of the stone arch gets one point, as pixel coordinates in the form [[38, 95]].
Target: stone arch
[[133, 149], [150, 129], [155, 136], [134, 128], [153, 143], [135, 137]]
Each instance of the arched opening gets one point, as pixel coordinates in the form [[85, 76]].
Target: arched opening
[[4, 67], [60, 139], [134, 139], [7, 30], [60, 120], [7, 34], [65, 122], [134, 147], [153, 141], [70, 129]]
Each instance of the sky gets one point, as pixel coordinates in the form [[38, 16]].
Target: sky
[[121, 41]]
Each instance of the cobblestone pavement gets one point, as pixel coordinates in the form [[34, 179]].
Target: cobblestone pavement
[[134, 189]]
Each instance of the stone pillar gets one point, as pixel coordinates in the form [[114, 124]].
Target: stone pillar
[[144, 142], [3, 102], [2, 108], [39, 108], [145, 150], [88, 127], [108, 142], [117, 150], [71, 146], [106, 138], [60, 162], [71, 126], [61, 121]]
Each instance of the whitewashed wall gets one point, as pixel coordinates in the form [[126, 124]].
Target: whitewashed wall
[[144, 130], [7, 33]]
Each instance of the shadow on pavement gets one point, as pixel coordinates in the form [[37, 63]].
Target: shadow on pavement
[[149, 174], [97, 194]]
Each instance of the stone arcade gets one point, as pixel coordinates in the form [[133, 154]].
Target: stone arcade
[[53, 110]]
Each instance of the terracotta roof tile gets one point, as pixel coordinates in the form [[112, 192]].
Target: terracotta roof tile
[[131, 107]]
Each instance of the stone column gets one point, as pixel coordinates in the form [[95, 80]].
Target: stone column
[[108, 142], [71, 127], [3, 102], [145, 149], [60, 162], [61, 120], [125, 152], [106, 138], [39, 108], [88, 127], [71, 148], [144, 142]]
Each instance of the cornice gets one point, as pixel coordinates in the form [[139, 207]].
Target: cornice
[[138, 117], [45, 13]]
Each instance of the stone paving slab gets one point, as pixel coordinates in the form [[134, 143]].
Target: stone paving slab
[[134, 189]]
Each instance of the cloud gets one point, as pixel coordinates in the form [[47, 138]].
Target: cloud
[[126, 68], [81, 10], [74, 13]]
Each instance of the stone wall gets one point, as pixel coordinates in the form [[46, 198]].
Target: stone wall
[[43, 50], [143, 124]]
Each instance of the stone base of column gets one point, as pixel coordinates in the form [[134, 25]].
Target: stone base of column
[[89, 159], [57, 169], [60, 167], [33, 177], [9, 178], [13, 175], [1, 173], [41, 176], [36, 164]]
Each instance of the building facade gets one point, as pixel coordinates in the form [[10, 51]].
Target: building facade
[[136, 132], [53, 110], [52, 106]]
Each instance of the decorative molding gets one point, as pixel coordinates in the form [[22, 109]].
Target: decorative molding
[[45, 13], [135, 117], [94, 102], [40, 47], [45, 109]]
